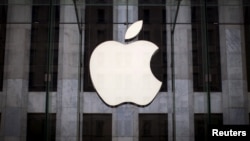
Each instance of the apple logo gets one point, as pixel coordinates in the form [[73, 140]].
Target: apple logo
[[121, 73]]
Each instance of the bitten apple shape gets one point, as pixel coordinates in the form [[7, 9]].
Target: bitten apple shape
[[121, 72]]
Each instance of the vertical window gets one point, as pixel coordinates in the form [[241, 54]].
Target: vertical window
[[152, 12], [146, 15], [212, 44], [40, 34], [200, 124], [97, 127], [153, 127], [98, 28], [247, 41], [164, 16], [3, 20], [100, 15], [36, 127]]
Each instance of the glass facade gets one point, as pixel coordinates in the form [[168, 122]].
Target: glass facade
[[246, 13], [36, 125], [97, 127], [3, 13], [46, 92], [213, 45], [153, 127], [154, 30], [98, 28], [44, 30], [200, 124]]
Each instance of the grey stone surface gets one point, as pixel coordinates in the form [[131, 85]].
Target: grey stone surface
[[125, 120], [15, 87], [183, 77], [15, 101], [125, 139], [69, 122], [158, 105], [238, 116], [68, 44], [66, 138], [24, 11], [234, 97], [183, 125], [67, 98], [12, 122], [228, 15], [16, 93], [69, 93], [233, 39], [125, 117], [92, 103], [120, 16], [200, 102], [36, 102], [17, 51]]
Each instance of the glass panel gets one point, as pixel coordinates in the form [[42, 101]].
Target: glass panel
[[121, 2], [36, 127], [29, 29], [213, 48], [154, 30], [29, 62], [200, 123], [3, 18], [98, 28], [97, 127], [40, 38], [247, 41], [153, 127]]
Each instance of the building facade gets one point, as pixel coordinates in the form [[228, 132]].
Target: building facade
[[46, 93]]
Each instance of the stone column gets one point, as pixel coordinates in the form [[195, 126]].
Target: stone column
[[184, 115], [68, 69], [169, 18], [15, 89], [125, 117], [233, 63]]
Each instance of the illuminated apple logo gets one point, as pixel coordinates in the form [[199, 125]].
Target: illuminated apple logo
[[121, 72]]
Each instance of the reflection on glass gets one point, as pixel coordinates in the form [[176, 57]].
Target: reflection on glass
[[153, 127], [247, 41], [154, 30], [98, 28], [97, 127], [213, 47], [200, 123], [39, 48], [36, 127], [3, 18]]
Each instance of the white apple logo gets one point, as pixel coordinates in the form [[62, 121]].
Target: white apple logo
[[121, 72]]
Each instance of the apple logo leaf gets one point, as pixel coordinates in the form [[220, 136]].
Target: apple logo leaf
[[133, 30]]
